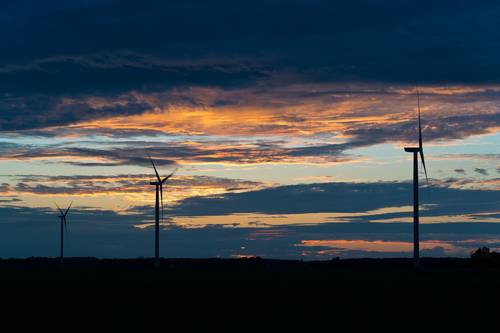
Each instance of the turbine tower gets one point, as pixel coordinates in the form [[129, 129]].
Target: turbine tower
[[159, 200], [64, 228], [417, 151]]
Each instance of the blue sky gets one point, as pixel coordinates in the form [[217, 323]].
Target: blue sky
[[287, 121]]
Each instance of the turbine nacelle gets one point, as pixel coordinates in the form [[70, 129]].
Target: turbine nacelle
[[63, 213], [160, 183], [412, 149]]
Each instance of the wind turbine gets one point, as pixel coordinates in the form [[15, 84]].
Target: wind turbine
[[64, 227], [417, 151], [159, 199]]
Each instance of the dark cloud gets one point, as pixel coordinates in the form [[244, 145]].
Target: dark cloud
[[389, 40], [4, 201], [469, 183], [26, 232], [39, 111], [481, 171], [446, 127], [51, 52], [135, 153], [460, 171], [341, 197], [118, 184], [115, 73]]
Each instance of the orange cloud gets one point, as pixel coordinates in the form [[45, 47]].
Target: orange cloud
[[118, 192], [313, 123]]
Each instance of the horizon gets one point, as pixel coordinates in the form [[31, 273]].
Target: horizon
[[286, 121]]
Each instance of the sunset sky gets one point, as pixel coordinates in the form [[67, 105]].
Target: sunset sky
[[287, 121]]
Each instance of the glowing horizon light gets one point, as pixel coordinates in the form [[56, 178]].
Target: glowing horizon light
[[341, 247]]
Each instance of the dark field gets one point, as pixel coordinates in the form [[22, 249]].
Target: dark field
[[248, 295]]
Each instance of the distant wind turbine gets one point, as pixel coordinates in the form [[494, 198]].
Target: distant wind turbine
[[416, 151], [159, 199], [64, 228]]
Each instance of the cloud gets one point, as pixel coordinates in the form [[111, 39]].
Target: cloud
[[481, 171], [9, 200], [473, 157], [133, 153], [65, 56], [271, 126], [449, 128], [471, 183], [460, 171], [134, 189], [119, 72], [40, 111], [281, 110], [26, 232], [318, 40], [341, 197]]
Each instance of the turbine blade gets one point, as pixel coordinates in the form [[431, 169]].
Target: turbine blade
[[60, 210], [161, 200], [154, 167], [420, 145], [173, 172], [419, 123], [67, 210], [423, 164]]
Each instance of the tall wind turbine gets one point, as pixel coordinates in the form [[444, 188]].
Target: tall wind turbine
[[159, 200], [416, 152], [64, 227]]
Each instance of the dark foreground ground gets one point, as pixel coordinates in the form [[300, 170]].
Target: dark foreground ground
[[255, 295]]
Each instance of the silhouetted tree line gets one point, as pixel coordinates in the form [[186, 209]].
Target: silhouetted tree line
[[484, 256]]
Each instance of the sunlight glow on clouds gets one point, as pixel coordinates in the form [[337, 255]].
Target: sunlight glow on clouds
[[117, 193], [328, 248]]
